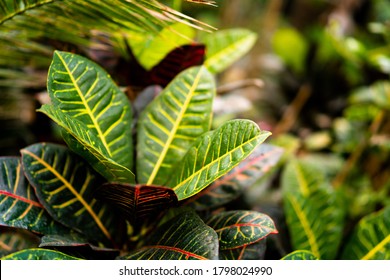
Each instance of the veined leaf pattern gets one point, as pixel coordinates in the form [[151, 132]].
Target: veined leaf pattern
[[244, 175], [84, 91], [370, 239], [300, 255], [226, 46], [13, 240], [214, 154], [240, 228], [314, 213], [19, 207], [65, 185], [86, 144], [172, 122], [138, 202], [255, 251], [38, 254], [184, 237]]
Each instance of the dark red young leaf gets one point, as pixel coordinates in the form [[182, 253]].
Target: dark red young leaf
[[138, 202]]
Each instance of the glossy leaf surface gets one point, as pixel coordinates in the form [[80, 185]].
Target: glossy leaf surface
[[314, 213], [82, 142], [185, 237], [244, 175], [38, 254], [226, 46], [172, 122], [214, 154], [139, 202], [13, 240], [371, 238], [255, 251], [65, 185], [300, 255], [240, 228], [19, 207]]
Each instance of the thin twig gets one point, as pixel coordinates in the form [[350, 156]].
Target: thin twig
[[223, 89]]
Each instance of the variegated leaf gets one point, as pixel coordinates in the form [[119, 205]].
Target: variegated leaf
[[13, 240], [38, 254], [65, 185], [236, 229], [19, 207], [255, 251], [184, 237], [303, 255], [214, 154], [172, 122]]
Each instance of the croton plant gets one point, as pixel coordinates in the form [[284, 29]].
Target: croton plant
[[150, 185]]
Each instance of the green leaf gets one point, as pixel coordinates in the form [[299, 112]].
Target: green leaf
[[370, 239], [87, 145], [183, 237], [140, 202], [85, 92], [283, 39], [226, 46], [65, 185], [38, 254], [19, 207], [150, 48], [314, 212], [241, 177], [255, 251], [377, 93], [214, 154], [300, 255], [13, 240], [241, 228], [171, 123]]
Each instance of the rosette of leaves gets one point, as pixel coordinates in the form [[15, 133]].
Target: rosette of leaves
[[105, 191]]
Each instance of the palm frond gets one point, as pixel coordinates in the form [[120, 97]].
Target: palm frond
[[28, 28]]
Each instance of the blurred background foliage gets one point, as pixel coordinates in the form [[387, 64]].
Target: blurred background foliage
[[317, 78]]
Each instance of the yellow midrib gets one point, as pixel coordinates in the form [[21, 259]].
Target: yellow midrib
[[73, 191], [378, 247], [306, 227], [174, 129], [94, 121]]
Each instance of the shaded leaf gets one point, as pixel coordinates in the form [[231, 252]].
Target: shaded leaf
[[300, 255], [83, 90], [255, 251], [226, 46], [13, 240], [240, 228], [76, 245], [244, 175], [183, 237], [86, 144], [214, 154], [19, 207], [314, 212], [65, 184], [138, 202], [172, 122], [38, 254], [370, 239]]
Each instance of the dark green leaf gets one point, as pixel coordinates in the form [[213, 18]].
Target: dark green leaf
[[371, 238], [139, 202], [240, 228], [314, 212], [82, 90], [19, 207], [65, 185], [255, 251], [214, 154], [300, 255], [183, 237], [172, 122], [241, 177], [13, 240], [38, 254]]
